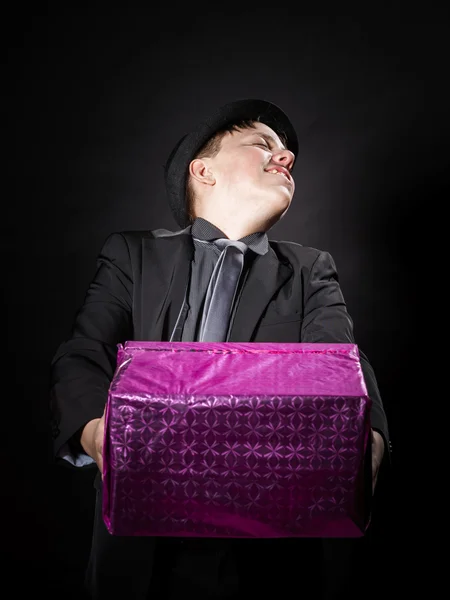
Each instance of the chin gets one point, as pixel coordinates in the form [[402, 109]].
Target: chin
[[282, 205], [273, 208]]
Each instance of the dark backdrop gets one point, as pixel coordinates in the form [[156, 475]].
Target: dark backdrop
[[95, 102]]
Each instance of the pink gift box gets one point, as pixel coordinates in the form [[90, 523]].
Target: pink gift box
[[258, 440]]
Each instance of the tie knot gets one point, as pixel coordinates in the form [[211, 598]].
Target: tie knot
[[223, 243]]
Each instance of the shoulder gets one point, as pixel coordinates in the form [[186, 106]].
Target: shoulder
[[296, 253], [308, 263], [134, 238], [307, 260]]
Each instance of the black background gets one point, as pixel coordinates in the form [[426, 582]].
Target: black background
[[94, 103]]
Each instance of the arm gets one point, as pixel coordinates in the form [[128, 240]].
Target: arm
[[326, 320], [83, 366]]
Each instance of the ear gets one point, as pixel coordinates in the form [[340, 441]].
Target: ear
[[200, 171]]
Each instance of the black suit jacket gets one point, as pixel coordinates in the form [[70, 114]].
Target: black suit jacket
[[292, 294]]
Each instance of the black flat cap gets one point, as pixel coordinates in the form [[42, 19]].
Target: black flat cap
[[176, 168]]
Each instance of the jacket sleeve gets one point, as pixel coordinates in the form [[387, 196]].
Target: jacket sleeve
[[326, 320], [83, 366]]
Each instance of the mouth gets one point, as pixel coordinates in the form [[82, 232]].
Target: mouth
[[280, 171]]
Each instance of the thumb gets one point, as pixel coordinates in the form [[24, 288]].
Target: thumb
[[100, 452], [100, 465], [100, 443]]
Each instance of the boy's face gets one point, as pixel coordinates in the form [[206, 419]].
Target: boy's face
[[244, 167]]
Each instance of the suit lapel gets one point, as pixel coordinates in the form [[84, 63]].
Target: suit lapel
[[165, 273], [166, 265], [266, 276]]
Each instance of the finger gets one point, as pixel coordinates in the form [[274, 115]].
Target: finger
[[374, 482], [375, 470], [100, 441], [100, 465]]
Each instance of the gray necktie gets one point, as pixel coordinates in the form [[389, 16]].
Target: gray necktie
[[222, 291]]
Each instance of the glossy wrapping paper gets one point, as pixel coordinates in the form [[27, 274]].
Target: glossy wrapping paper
[[229, 439]]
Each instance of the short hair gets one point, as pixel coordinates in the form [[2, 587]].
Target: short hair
[[212, 147]]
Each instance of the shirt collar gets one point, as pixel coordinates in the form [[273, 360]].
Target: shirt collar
[[204, 230]]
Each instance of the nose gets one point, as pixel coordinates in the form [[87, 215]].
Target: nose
[[285, 158]]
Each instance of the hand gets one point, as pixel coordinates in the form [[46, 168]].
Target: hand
[[377, 456], [92, 440]]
